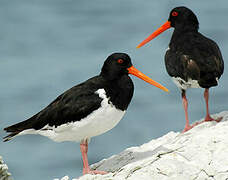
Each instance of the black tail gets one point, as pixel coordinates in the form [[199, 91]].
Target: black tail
[[10, 136], [17, 128]]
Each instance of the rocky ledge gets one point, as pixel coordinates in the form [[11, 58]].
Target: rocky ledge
[[199, 154]]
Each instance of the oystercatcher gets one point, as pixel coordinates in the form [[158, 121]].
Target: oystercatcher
[[88, 109], [192, 60]]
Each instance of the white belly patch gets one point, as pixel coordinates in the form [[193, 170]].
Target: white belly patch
[[182, 84], [96, 123]]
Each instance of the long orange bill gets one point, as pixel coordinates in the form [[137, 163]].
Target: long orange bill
[[132, 70], [164, 27]]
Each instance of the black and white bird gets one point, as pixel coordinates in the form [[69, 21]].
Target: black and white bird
[[192, 60], [88, 109]]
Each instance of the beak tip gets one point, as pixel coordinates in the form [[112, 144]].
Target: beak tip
[[138, 46], [132, 70], [166, 90]]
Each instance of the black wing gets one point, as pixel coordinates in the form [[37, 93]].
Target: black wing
[[196, 57], [73, 105]]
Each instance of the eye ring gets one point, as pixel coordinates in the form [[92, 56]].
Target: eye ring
[[174, 13], [120, 61]]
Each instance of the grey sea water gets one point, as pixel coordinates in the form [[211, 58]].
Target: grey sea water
[[48, 46]]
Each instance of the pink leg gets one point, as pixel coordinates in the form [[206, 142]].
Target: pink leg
[[185, 105], [86, 168], [208, 117]]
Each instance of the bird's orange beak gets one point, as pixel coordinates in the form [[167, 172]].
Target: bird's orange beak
[[132, 70], [164, 27]]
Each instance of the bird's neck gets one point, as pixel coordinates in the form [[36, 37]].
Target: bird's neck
[[120, 91], [183, 30], [187, 26], [182, 36]]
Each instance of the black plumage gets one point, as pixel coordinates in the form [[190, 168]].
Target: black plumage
[[192, 59], [81, 100], [191, 55]]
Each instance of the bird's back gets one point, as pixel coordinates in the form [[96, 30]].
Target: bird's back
[[193, 56]]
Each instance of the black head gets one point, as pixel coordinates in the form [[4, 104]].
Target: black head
[[116, 65], [182, 18], [119, 64]]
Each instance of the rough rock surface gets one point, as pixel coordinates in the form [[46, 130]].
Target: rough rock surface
[[199, 154], [4, 175]]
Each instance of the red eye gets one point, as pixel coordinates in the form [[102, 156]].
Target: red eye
[[174, 13], [120, 61]]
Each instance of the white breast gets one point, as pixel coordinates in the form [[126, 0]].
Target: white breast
[[96, 123]]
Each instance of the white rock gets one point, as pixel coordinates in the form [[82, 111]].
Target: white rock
[[4, 175], [199, 154]]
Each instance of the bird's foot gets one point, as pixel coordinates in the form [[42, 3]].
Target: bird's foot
[[88, 171], [209, 118], [187, 127], [196, 123]]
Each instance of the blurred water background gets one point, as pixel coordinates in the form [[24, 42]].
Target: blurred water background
[[48, 46]]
